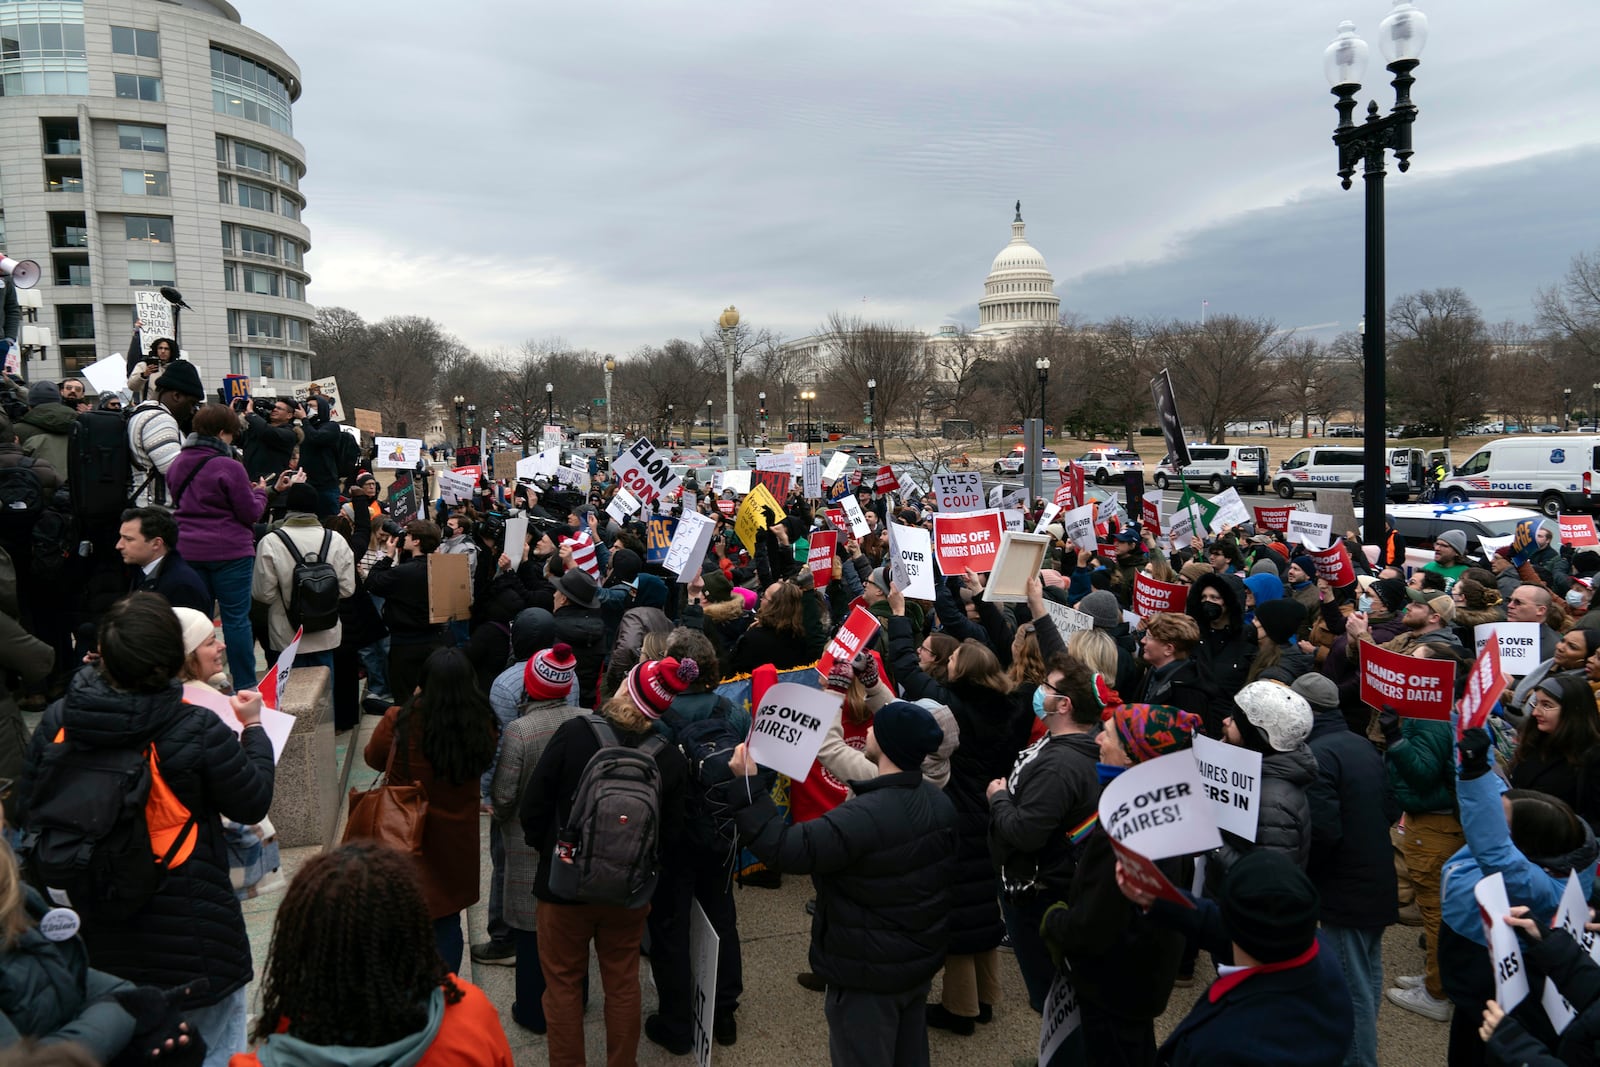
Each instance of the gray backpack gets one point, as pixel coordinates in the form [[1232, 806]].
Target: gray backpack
[[607, 852]]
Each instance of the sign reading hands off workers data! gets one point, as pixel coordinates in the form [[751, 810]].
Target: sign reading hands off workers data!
[[1415, 688], [789, 726]]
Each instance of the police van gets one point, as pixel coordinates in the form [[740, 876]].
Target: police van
[[1341, 468], [1219, 467], [1553, 474]]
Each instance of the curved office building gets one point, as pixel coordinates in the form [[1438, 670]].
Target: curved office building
[[150, 143]]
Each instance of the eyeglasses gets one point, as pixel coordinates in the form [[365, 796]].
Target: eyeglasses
[[1048, 688]]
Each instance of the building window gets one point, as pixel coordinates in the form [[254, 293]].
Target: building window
[[255, 196], [230, 277], [41, 50], [227, 236], [72, 274], [257, 243], [295, 331], [141, 138], [291, 208], [293, 287], [126, 41], [151, 272], [288, 173], [222, 192], [249, 90], [291, 252], [222, 149], [144, 183], [75, 322], [252, 157], [261, 282], [257, 324], [151, 228], [138, 87]]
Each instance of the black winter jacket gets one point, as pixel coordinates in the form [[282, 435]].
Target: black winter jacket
[[319, 451], [1224, 655], [49, 992], [404, 589], [1564, 962], [585, 631], [1352, 861], [1052, 789], [193, 928], [881, 863], [1181, 684], [1285, 821], [268, 448]]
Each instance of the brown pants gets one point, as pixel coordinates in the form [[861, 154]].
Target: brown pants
[[1431, 838], [969, 980], [565, 932]]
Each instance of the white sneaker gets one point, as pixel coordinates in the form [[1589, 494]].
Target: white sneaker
[[1417, 999], [1411, 981]]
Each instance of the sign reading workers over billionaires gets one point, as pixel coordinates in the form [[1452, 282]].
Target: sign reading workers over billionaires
[[1155, 810], [1416, 688], [645, 471], [788, 727], [966, 541]]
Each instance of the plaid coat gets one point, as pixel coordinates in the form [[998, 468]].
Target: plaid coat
[[522, 742]]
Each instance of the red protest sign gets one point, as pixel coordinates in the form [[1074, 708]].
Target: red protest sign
[[1069, 494], [777, 483], [1416, 688], [1333, 564], [970, 540], [887, 482], [1274, 518], [820, 559], [1578, 531], [1145, 876], [728, 507], [836, 518], [856, 634], [1484, 686], [1151, 597], [1150, 512], [475, 471]]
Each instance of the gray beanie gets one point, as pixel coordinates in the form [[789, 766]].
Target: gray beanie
[[1319, 691], [1101, 606], [1456, 539], [41, 393]]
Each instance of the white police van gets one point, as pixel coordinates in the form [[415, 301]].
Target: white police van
[[1553, 474], [1219, 467], [1341, 468]]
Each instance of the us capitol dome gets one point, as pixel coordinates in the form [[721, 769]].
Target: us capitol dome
[[1019, 293]]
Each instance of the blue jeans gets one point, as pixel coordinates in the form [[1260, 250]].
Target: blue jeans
[[375, 658], [228, 582], [1360, 954], [447, 938], [222, 1026], [327, 502]]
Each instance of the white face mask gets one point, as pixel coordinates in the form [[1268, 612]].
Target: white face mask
[[1575, 597], [1364, 604]]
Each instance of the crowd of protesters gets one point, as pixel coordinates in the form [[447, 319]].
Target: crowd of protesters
[[951, 813]]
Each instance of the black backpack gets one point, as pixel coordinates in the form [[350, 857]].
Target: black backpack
[[707, 745], [347, 456], [86, 842], [100, 466], [313, 603], [608, 850], [22, 499]]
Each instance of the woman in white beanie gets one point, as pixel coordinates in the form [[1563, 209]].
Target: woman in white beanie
[[1274, 720]]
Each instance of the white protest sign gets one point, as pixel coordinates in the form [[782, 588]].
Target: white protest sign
[[645, 471], [154, 314], [797, 451], [689, 543], [1314, 529], [540, 463], [108, 375], [1158, 809], [1231, 778], [704, 946], [811, 476], [1068, 620], [277, 724], [277, 679], [958, 490], [909, 489], [622, 505], [738, 481], [1505, 955], [329, 389], [577, 477], [1231, 510], [1079, 525], [836, 465], [550, 437], [1491, 545], [1061, 1016], [1180, 527], [1571, 915], [858, 521], [1047, 516], [398, 453], [691, 501], [911, 552], [516, 539], [789, 727], [1519, 644], [1011, 518], [776, 461], [455, 487]]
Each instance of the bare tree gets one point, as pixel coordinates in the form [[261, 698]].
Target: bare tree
[[1571, 310], [1309, 380], [1105, 383], [1439, 359], [1222, 370], [857, 352]]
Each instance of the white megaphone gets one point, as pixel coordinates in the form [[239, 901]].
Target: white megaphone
[[24, 273]]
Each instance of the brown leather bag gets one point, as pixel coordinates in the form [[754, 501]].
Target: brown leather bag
[[391, 814]]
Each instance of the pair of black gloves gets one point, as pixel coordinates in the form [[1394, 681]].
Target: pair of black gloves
[[1474, 747], [160, 1034]]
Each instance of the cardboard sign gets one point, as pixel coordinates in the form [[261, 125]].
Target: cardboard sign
[[811, 476], [544, 464], [750, 519], [1158, 808], [775, 482], [1312, 528], [1079, 526], [1484, 686], [503, 464], [277, 679], [789, 726], [704, 947], [645, 471], [1578, 531], [1571, 915], [623, 505], [848, 641], [1505, 954], [658, 533], [836, 465], [1519, 645], [1230, 775], [1062, 1016], [687, 549], [1018, 561], [1150, 511], [1274, 518], [1333, 564], [852, 511], [449, 587], [958, 491], [1068, 620], [1416, 688], [1230, 508], [1151, 597], [370, 421], [154, 315], [911, 560], [398, 453], [819, 557], [966, 540]]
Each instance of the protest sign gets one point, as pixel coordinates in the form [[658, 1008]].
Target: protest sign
[[1230, 508], [1201, 513], [1158, 808], [1505, 954], [1018, 562], [687, 548], [370, 421], [1151, 597], [1519, 644], [455, 487], [1047, 516], [658, 538], [704, 946], [1578, 531], [540, 463], [836, 465], [886, 480], [836, 518], [1062, 1016], [237, 387], [797, 452], [1070, 493], [574, 476], [277, 679], [1180, 527], [958, 490], [751, 518], [856, 634], [1079, 526], [516, 539], [1314, 529], [1484, 686], [911, 559], [277, 724], [1171, 425], [1416, 688], [1333, 565], [471, 470], [738, 481], [909, 489], [328, 389], [1068, 620], [398, 453], [108, 375], [622, 505], [788, 727], [852, 511], [1003, 496], [811, 476], [153, 313], [1274, 518], [1571, 915], [776, 482], [965, 541], [1230, 775], [402, 497], [1011, 519], [449, 587], [1150, 511], [645, 471], [819, 558]]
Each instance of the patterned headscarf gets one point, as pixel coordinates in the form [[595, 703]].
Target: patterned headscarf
[[1151, 730]]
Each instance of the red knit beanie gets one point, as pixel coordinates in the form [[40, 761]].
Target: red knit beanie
[[549, 674], [654, 683]]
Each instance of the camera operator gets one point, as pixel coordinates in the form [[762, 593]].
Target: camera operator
[[271, 434]]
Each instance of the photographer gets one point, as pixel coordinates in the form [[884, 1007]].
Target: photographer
[[271, 434]]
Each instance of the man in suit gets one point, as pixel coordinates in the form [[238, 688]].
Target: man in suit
[[148, 542]]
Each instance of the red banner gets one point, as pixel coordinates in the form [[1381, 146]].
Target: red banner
[[475, 471], [1145, 876], [1416, 688], [856, 634], [1273, 518], [887, 482], [1333, 564], [963, 541], [1484, 686], [1151, 597], [777, 483], [1069, 494], [836, 518], [1578, 531], [820, 560], [1150, 512]]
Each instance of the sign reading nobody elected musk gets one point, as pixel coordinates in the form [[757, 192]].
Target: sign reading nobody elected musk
[[1152, 597], [958, 491], [1416, 688], [1230, 775], [789, 727]]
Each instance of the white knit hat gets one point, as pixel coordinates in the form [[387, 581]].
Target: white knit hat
[[197, 626], [1280, 713]]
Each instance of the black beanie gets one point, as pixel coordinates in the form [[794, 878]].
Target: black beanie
[[906, 732], [1269, 907], [1281, 619], [301, 497], [1391, 593], [626, 564]]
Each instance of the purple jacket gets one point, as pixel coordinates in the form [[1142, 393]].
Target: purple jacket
[[217, 508]]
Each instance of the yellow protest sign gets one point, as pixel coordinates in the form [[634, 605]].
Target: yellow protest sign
[[749, 521]]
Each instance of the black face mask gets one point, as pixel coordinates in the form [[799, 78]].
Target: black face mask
[[1210, 612]]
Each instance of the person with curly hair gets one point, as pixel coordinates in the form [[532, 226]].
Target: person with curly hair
[[354, 975]]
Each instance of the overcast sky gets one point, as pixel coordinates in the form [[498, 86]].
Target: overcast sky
[[615, 174]]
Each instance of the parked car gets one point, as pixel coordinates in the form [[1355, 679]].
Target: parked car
[[1421, 525], [1554, 476], [1342, 431], [1330, 467], [1219, 467], [1017, 460]]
